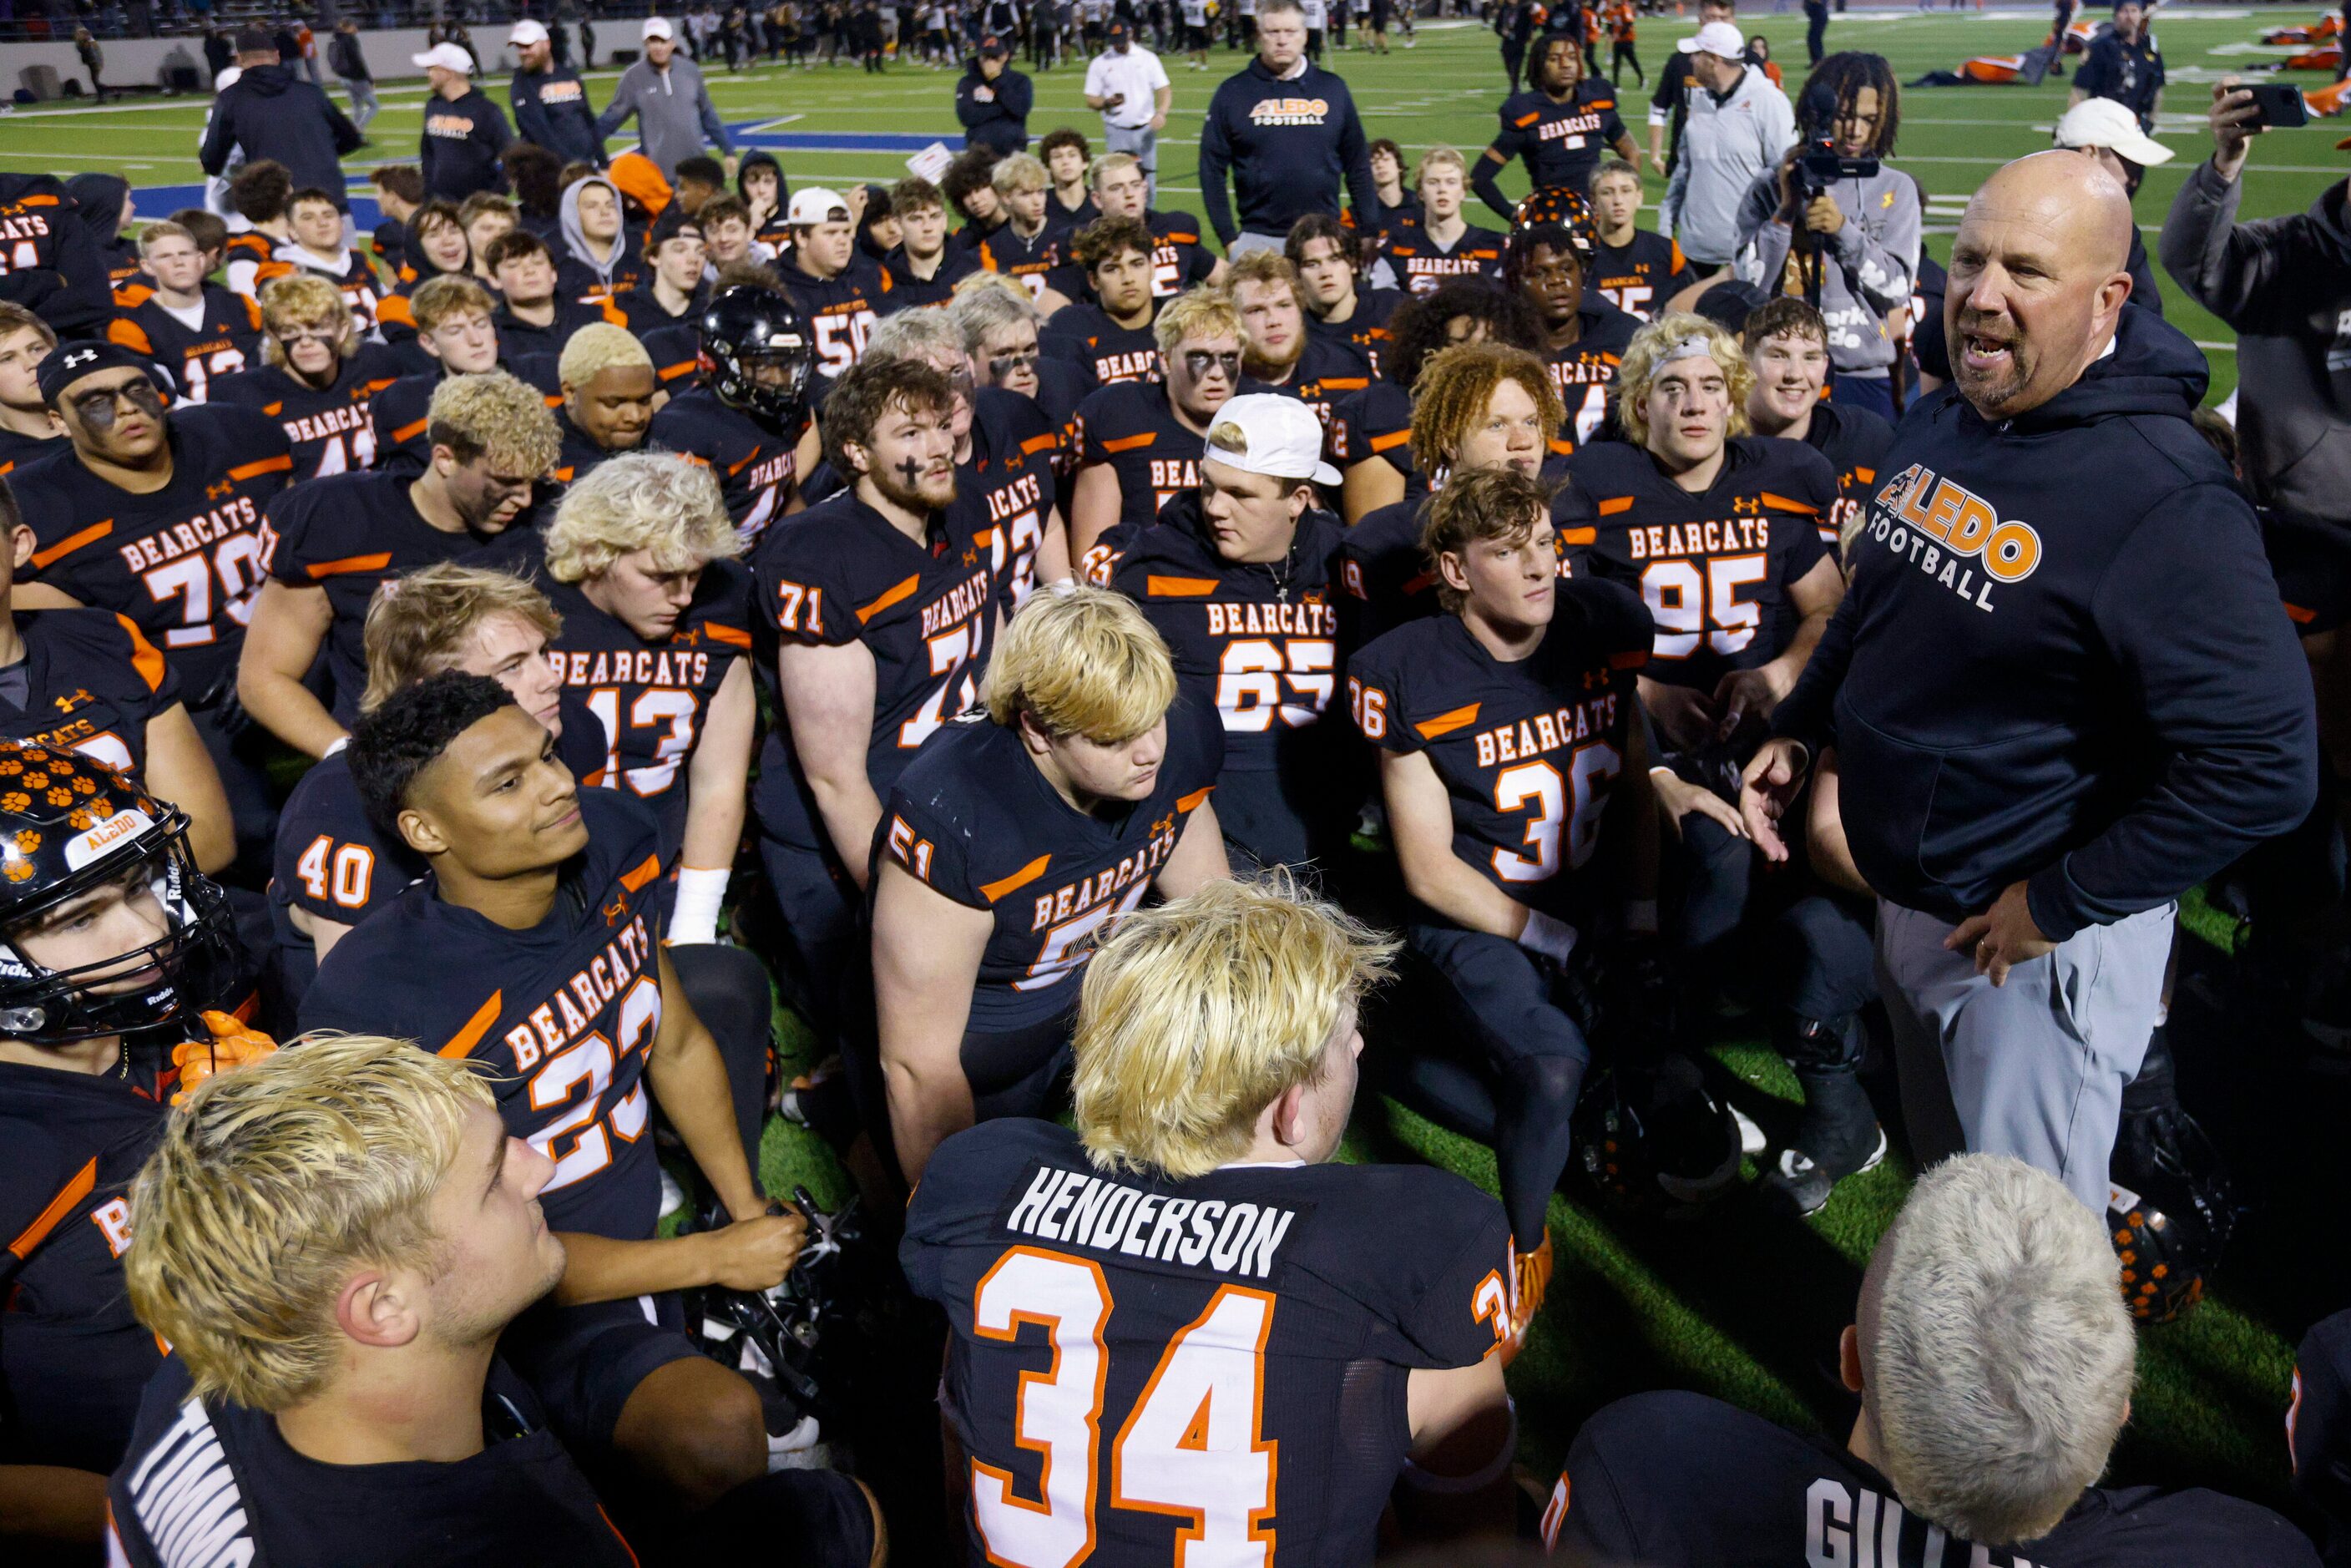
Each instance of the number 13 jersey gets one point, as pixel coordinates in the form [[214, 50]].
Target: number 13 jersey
[[1147, 1371]]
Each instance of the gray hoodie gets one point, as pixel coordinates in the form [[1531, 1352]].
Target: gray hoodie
[[575, 237], [1865, 273], [1727, 145], [674, 112]]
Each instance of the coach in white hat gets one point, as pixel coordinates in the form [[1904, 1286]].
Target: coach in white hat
[[2109, 133], [550, 103], [674, 114], [464, 131], [1737, 126]]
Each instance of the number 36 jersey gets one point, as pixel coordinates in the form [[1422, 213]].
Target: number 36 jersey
[[1529, 750], [1214, 1370]]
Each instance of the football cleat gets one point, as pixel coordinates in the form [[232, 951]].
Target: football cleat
[[1531, 1281]]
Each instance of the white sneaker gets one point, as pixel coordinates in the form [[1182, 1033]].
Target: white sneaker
[[1751, 1140], [801, 1449]]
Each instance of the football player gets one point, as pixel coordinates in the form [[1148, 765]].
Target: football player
[[749, 421], [1241, 577], [608, 397], [315, 377], [1507, 731], [1639, 269], [599, 258], [110, 942], [1787, 345], [1110, 340], [1180, 261], [834, 289], [884, 600], [536, 948], [1138, 445], [333, 541], [25, 430], [194, 330], [1584, 336], [1183, 1263], [1339, 305], [1001, 332], [531, 316], [1029, 247], [1278, 353], [259, 193], [1561, 125], [674, 291], [451, 318], [1994, 1359], [316, 246], [923, 269], [1417, 253], [55, 267], [1006, 846]]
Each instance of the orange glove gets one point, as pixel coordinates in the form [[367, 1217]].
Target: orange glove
[[231, 1046]]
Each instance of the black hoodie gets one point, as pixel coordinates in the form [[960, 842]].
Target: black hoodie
[[1291, 143], [2095, 690], [273, 113]]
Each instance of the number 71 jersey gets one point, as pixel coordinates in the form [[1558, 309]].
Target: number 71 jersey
[[1154, 1372]]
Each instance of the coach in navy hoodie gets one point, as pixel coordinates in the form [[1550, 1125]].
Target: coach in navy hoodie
[[1288, 130], [2061, 687]]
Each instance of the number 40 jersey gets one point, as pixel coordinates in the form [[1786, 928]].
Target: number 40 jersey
[[1206, 1371]]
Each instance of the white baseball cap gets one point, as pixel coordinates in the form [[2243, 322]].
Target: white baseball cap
[[813, 205], [1280, 437], [657, 27], [1716, 39], [2102, 122], [448, 56], [526, 33]]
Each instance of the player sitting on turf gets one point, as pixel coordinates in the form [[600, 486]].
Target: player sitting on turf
[[750, 421], [1787, 345], [1507, 728], [452, 331], [316, 249], [315, 377], [333, 1241], [1244, 1347], [1417, 254], [1585, 337], [1137, 444], [1241, 577], [1009, 842], [1112, 341], [1276, 351], [25, 431], [608, 397], [1639, 269], [154, 319], [1180, 261], [110, 942], [535, 947], [1994, 1358], [1339, 305]]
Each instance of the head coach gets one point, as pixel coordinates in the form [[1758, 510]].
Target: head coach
[[2061, 687]]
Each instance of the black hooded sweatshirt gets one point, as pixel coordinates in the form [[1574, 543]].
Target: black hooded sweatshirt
[[271, 113], [2062, 657]]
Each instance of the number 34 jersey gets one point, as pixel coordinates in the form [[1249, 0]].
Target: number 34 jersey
[[1211, 1370], [1529, 750]]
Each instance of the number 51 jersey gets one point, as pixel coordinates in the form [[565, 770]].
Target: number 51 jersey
[[1202, 1371]]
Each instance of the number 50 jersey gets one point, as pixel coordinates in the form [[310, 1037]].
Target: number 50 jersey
[[1205, 1371]]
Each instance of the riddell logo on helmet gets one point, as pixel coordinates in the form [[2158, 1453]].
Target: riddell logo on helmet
[[84, 848]]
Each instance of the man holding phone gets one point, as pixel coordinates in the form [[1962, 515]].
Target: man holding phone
[[2284, 286]]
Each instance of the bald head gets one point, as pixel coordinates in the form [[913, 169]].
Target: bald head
[[2037, 280]]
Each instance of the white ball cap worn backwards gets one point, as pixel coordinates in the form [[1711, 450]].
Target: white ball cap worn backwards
[[657, 27], [813, 205], [1281, 438], [2102, 122], [448, 56], [1716, 39], [526, 33]]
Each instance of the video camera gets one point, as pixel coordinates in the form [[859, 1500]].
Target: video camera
[[1822, 166]]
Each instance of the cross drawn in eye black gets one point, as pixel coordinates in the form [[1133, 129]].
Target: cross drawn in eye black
[[911, 470]]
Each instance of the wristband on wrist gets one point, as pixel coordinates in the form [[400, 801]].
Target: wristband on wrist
[[694, 912], [1548, 934]]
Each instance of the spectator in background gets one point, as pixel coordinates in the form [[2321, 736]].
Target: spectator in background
[[267, 114], [398, 191], [93, 61], [670, 101], [464, 131], [1130, 88], [2284, 286], [550, 103], [993, 100], [696, 181], [536, 176], [351, 68], [2124, 65], [1284, 165], [219, 53], [2105, 130], [1738, 127]]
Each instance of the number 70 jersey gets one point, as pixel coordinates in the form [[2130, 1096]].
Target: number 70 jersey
[[1213, 1371]]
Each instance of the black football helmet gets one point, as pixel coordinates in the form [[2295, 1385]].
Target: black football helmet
[[788, 1339], [1654, 1139], [70, 823], [744, 329], [2169, 1209], [1566, 206]]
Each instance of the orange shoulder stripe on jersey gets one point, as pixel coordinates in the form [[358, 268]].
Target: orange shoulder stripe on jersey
[[554, 400], [280, 464], [1612, 505], [1785, 505], [1192, 801], [1630, 659], [618, 1536], [84, 1182], [1391, 441], [271, 408], [145, 658], [647, 869], [320, 571], [903, 589], [1522, 121], [130, 295], [129, 335], [1158, 586], [1565, 448], [736, 468], [1346, 383], [1036, 444], [408, 433], [72, 542], [462, 1043], [2298, 615], [1864, 476], [992, 891], [733, 636], [1578, 536], [563, 475], [670, 373], [1446, 723], [1129, 442], [36, 200], [394, 308]]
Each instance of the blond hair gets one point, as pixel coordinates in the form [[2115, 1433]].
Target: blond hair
[[1200, 314], [304, 300], [164, 228], [436, 299], [495, 416], [1019, 172], [1103, 165], [1260, 266], [1441, 156], [1198, 1015], [272, 1185], [985, 303], [1648, 347], [1999, 1370], [653, 501], [422, 623], [596, 347], [1081, 661]]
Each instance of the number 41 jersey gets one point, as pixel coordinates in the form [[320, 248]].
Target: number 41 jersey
[[1211, 1370]]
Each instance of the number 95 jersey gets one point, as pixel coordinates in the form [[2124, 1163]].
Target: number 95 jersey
[[1153, 1372]]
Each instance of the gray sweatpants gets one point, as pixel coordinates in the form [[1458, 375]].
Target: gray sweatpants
[[1143, 142], [2035, 1068]]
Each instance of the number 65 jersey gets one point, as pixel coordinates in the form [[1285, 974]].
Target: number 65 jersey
[[1150, 1372]]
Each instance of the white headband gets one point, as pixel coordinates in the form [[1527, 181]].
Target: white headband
[[1691, 348]]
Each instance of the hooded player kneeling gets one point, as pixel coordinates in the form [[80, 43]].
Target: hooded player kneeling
[[1178, 1324]]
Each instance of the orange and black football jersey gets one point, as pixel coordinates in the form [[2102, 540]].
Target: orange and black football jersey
[[50, 262], [1560, 143], [355, 278], [903, 290], [398, 415], [1856, 442], [841, 572], [1178, 259], [1366, 329], [16, 450], [758, 468], [90, 681], [841, 310], [564, 1013], [1387, 576], [184, 563], [1040, 262], [1420, 264], [1009, 487], [1714, 567], [1529, 750], [1086, 336], [250, 263], [1213, 1369], [642, 309], [1376, 423], [226, 338], [1327, 371], [1131, 426], [1640, 276], [1585, 371], [676, 352], [327, 427]]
